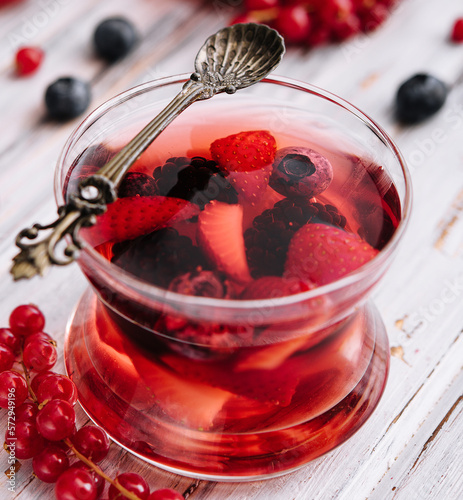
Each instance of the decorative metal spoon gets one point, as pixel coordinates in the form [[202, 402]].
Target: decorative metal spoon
[[233, 58]]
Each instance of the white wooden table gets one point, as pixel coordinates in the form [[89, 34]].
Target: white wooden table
[[411, 448]]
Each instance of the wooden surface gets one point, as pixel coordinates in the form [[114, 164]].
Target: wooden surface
[[411, 448]]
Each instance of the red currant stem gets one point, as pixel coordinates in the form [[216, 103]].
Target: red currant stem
[[95, 468], [265, 15], [28, 382]]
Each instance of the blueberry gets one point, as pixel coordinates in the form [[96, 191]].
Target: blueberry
[[67, 98], [114, 38], [299, 171], [420, 97]]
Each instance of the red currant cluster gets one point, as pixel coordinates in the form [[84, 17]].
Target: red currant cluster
[[42, 421], [314, 22]]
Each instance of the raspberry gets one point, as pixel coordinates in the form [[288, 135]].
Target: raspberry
[[28, 60], [203, 284], [136, 184]]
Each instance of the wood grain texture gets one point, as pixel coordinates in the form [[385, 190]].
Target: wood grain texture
[[411, 448]]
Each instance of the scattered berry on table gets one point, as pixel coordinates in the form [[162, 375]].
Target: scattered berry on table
[[67, 98], [132, 482], [166, 494], [457, 31], [300, 172], [26, 319], [114, 38], [28, 60], [50, 463], [323, 254], [420, 97], [309, 23], [44, 419], [92, 442], [75, 484]]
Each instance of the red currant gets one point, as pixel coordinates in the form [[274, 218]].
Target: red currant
[[50, 463], [8, 338], [26, 319], [132, 482], [260, 4], [457, 31], [28, 60], [56, 420], [92, 442], [98, 480], [26, 440], [38, 336], [293, 23], [7, 357], [39, 355], [37, 380], [57, 386], [166, 494], [13, 389], [27, 412], [75, 484]]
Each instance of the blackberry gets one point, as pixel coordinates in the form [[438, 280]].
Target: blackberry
[[159, 257], [195, 179], [268, 239], [136, 183]]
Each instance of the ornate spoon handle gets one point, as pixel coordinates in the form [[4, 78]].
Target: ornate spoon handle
[[233, 58]]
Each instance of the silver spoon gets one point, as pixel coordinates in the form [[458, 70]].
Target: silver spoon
[[233, 58]]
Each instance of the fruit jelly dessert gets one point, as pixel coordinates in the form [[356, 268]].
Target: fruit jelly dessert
[[211, 226]]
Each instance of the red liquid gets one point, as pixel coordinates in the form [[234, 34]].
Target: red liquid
[[245, 407]]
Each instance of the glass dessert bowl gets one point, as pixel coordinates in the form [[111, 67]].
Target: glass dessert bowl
[[227, 333]]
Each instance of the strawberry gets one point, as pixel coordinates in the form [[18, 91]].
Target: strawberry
[[220, 235], [250, 185], [323, 253], [244, 152], [128, 218]]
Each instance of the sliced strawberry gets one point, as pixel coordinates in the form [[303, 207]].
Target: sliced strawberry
[[275, 386], [244, 152], [250, 185], [193, 403], [323, 253], [130, 217], [220, 235]]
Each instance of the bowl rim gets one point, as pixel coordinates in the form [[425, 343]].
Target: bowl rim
[[180, 300]]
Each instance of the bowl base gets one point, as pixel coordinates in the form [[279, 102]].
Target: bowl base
[[217, 456]]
